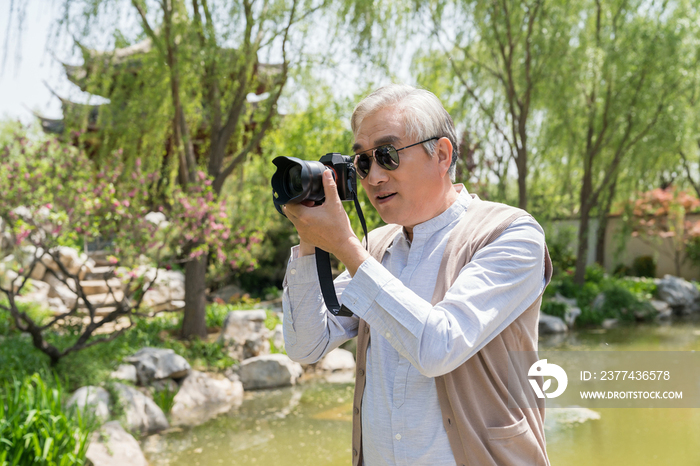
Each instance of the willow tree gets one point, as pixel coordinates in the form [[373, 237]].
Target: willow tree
[[498, 55], [208, 60], [613, 87]]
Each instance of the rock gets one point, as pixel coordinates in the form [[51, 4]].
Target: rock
[[278, 337], [38, 294], [337, 360], [551, 324], [57, 306], [158, 363], [662, 308], [62, 290], [572, 310], [598, 302], [10, 278], [570, 415], [269, 371], [203, 397], [609, 323], [125, 372], [92, 287], [113, 446], [165, 384], [245, 334], [91, 399], [680, 294], [142, 414]]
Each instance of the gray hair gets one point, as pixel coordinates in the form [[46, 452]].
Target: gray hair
[[423, 115]]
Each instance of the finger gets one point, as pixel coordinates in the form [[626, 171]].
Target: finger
[[330, 189]]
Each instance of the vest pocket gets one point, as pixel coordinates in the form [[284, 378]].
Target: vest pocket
[[515, 445], [503, 433]]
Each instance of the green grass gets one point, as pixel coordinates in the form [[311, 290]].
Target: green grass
[[92, 366], [34, 428]]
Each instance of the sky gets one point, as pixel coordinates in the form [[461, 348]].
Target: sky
[[30, 62]]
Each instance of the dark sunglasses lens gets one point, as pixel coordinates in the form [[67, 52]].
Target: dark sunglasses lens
[[387, 157], [362, 163]]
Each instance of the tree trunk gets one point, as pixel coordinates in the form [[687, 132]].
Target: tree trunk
[[603, 224], [522, 178], [600, 240], [194, 323], [582, 255]]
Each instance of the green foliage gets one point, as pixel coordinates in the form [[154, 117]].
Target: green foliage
[[559, 243], [644, 266], [34, 429], [603, 297], [692, 251], [554, 308], [165, 399], [92, 366]]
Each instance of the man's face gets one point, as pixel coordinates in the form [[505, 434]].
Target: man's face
[[414, 192]]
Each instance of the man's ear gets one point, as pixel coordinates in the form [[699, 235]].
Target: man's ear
[[443, 152]]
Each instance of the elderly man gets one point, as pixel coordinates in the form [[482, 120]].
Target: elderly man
[[446, 290]]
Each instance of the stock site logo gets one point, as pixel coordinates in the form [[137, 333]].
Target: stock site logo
[[543, 369]]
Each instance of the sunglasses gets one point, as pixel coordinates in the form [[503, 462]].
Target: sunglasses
[[386, 155]]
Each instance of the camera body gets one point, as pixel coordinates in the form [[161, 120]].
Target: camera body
[[299, 180]]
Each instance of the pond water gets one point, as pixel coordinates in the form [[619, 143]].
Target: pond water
[[310, 424]]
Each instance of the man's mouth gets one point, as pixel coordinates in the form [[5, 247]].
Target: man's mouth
[[385, 197]]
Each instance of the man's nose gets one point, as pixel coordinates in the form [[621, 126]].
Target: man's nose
[[377, 174]]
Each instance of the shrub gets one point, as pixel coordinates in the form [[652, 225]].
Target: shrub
[[644, 266], [35, 430], [625, 299], [165, 399], [554, 308]]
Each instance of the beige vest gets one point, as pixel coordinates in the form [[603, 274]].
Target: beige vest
[[482, 429]]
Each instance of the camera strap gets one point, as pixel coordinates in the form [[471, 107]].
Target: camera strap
[[325, 275]]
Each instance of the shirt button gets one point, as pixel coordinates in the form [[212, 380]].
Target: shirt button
[[293, 272], [398, 437], [361, 372], [366, 329], [354, 452], [357, 410], [387, 335]]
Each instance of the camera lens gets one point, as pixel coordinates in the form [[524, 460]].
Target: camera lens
[[292, 181]]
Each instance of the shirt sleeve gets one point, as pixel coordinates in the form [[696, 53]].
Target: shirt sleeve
[[310, 331], [502, 280]]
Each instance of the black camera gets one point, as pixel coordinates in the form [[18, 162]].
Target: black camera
[[299, 180]]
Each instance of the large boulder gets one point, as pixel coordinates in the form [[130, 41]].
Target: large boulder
[[551, 324], [125, 372], [142, 414], [91, 399], [158, 363], [337, 360], [113, 446], [269, 371], [245, 334], [202, 397], [680, 294]]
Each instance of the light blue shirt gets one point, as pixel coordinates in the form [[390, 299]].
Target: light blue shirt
[[412, 341]]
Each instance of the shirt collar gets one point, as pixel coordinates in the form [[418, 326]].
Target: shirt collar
[[452, 213]]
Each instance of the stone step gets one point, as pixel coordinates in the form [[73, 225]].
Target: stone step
[[103, 298], [100, 257], [98, 273], [95, 287]]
